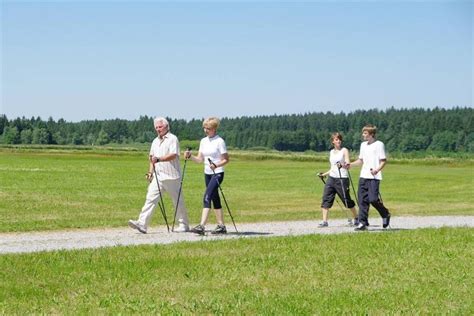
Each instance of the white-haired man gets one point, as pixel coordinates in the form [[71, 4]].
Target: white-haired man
[[164, 158]]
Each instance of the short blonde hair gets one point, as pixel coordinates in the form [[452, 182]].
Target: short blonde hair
[[211, 122], [369, 128]]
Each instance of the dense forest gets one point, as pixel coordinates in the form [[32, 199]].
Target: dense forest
[[402, 130]]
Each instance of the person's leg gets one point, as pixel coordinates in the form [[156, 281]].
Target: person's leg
[[207, 198], [364, 203], [346, 195], [351, 203], [329, 195], [219, 216], [325, 212], [172, 187], [206, 201], [152, 198], [217, 180], [374, 198], [213, 189], [354, 215], [204, 216]]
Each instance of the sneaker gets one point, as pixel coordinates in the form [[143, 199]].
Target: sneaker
[[349, 222], [386, 221], [323, 224], [182, 228], [199, 229], [356, 222], [220, 229], [136, 225], [360, 227]]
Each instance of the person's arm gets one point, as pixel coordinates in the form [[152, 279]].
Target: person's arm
[[345, 153], [198, 159], [357, 162], [381, 166], [167, 157], [324, 174], [224, 160], [149, 175]]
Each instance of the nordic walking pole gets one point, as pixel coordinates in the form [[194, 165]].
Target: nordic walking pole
[[179, 192], [380, 195], [352, 185], [223, 196], [162, 205], [343, 188]]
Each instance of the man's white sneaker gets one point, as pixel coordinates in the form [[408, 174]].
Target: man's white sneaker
[[136, 225], [182, 228]]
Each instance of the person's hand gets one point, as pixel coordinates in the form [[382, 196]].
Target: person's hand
[[154, 159], [187, 154], [320, 174], [374, 171], [149, 176], [342, 164], [346, 166], [212, 165]]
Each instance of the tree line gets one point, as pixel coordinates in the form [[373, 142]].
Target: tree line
[[402, 130]]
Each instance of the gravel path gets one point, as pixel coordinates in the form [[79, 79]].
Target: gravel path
[[109, 237]]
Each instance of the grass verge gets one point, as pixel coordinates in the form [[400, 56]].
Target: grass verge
[[426, 271]]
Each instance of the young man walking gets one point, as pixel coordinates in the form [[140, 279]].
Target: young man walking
[[372, 158]]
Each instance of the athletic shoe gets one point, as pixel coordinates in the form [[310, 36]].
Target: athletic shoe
[[323, 224], [360, 227], [182, 228], [349, 222], [199, 229], [220, 229], [356, 222], [136, 225], [386, 221]]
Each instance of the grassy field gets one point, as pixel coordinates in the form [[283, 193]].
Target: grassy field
[[425, 271], [62, 189]]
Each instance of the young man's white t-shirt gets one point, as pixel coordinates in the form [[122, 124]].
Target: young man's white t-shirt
[[213, 148], [371, 154]]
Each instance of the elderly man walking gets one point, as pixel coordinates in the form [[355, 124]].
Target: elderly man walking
[[164, 159]]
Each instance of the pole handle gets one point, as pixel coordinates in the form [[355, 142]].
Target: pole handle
[[210, 162]]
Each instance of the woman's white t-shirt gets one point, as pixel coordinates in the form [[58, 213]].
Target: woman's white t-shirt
[[213, 148], [334, 158]]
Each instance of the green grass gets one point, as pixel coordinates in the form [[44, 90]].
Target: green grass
[[425, 271], [62, 189]]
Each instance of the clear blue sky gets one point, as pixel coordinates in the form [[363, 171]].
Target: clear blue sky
[[122, 59]]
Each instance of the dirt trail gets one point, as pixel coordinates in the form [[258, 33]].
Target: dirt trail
[[109, 237]]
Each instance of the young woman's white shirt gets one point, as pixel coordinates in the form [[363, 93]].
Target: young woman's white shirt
[[334, 158], [371, 156], [214, 148]]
